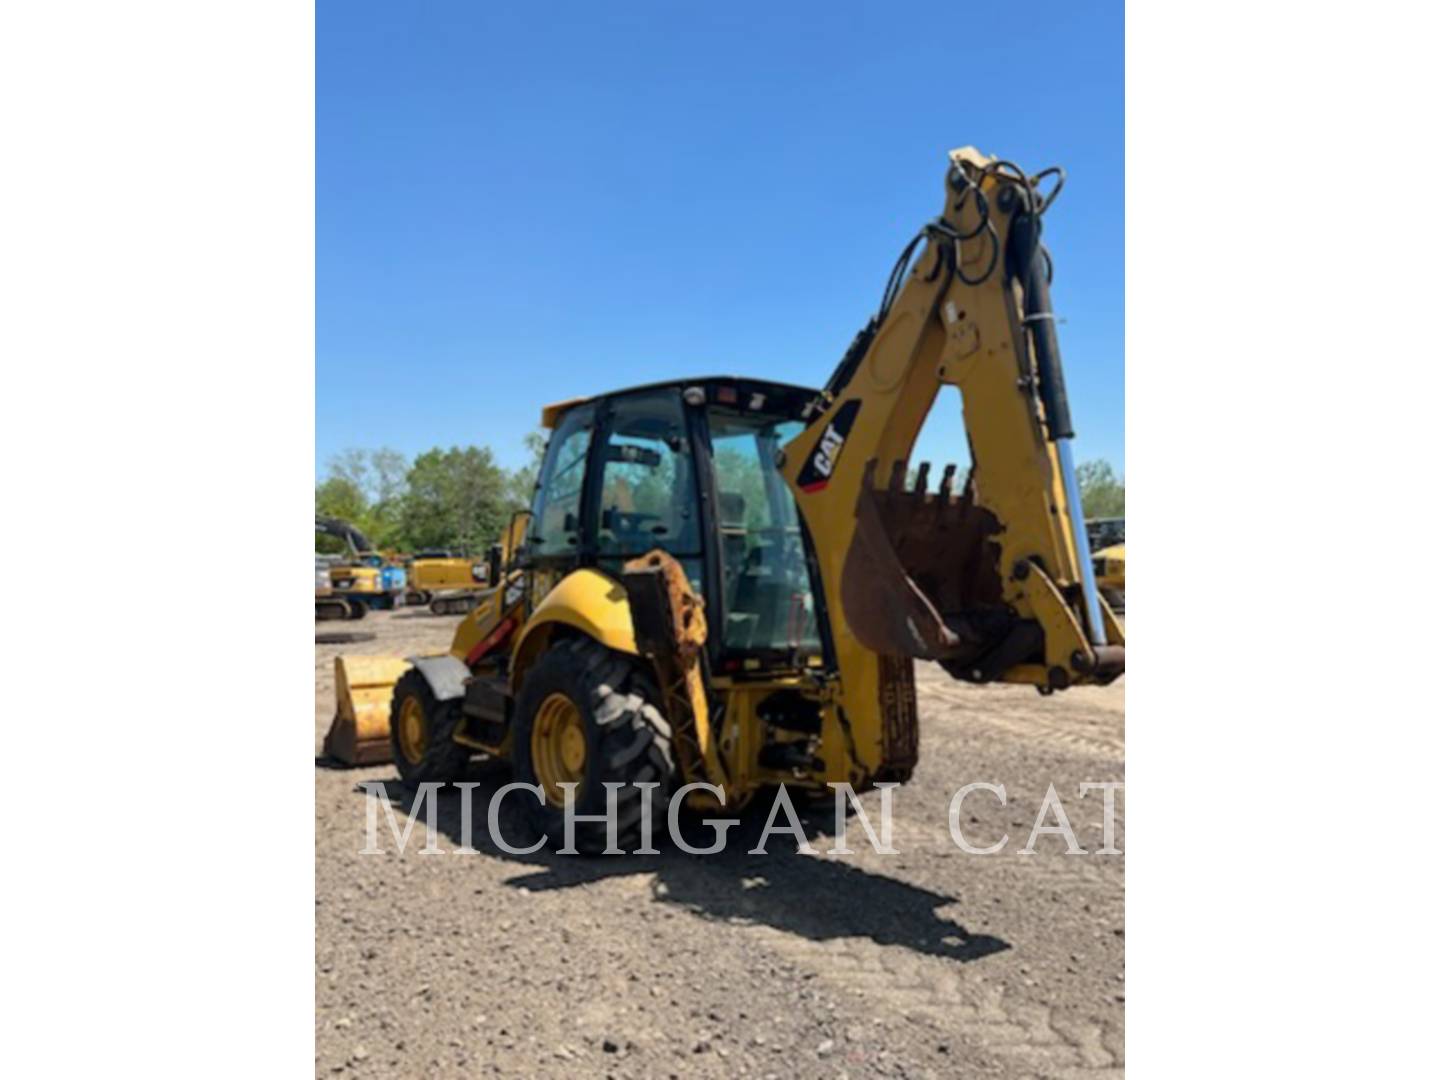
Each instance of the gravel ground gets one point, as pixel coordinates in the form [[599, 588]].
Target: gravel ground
[[930, 962]]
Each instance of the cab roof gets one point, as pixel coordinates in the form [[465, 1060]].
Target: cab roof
[[550, 414]]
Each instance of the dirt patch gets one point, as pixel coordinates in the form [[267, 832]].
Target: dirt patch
[[930, 962]]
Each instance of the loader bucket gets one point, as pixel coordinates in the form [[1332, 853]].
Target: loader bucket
[[360, 733]]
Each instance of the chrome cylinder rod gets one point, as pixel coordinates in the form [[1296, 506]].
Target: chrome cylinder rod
[[1082, 544]]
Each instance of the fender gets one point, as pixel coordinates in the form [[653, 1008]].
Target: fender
[[586, 600], [445, 674]]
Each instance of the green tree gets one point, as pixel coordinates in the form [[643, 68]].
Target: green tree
[[339, 497], [1102, 494], [454, 498], [380, 477], [520, 484], [738, 473]]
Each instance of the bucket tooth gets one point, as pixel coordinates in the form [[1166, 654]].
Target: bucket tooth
[[922, 478], [897, 476], [921, 577], [947, 483]]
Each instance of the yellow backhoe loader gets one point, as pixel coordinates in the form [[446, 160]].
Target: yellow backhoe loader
[[727, 581]]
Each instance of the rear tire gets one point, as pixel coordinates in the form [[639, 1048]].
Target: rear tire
[[627, 741], [422, 733]]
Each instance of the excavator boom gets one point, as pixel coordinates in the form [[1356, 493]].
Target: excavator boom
[[994, 581], [354, 539]]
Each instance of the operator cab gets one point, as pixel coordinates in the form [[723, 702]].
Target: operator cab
[[689, 467], [1105, 532]]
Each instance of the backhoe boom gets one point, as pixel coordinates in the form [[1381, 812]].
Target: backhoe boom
[[993, 581]]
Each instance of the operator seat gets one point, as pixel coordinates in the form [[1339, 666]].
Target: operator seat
[[740, 621], [732, 538]]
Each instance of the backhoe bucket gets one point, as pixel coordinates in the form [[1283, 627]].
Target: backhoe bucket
[[360, 733], [922, 580]]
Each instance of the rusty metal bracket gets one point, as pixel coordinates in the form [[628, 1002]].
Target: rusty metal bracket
[[670, 631]]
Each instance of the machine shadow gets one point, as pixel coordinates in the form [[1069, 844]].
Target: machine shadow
[[819, 898]]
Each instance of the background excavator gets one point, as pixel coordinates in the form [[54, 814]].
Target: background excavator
[[727, 581], [361, 581]]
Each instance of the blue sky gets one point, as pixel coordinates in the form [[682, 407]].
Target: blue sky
[[517, 204]]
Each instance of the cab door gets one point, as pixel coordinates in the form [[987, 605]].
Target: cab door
[[645, 493]]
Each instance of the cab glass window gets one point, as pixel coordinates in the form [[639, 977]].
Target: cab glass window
[[769, 604], [647, 491], [555, 524]]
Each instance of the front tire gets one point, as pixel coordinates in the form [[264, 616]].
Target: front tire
[[582, 696], [422, 733]]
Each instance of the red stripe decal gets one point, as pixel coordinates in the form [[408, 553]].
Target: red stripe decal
[[496, 636]]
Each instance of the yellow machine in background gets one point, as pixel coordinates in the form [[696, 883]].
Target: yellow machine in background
[[358, 581], [1107, 541], [1110, 575], [727, 581], [449, 584]]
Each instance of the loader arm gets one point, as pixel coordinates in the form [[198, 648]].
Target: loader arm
[[994, 580]]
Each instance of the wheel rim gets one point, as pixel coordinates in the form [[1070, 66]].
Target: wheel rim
[[412, 729], [557, 746]]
